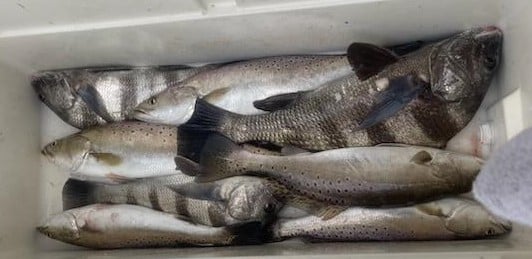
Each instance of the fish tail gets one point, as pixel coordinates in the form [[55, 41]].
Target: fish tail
[[207, 117], [218, 160], [78, 193], [249, 233]]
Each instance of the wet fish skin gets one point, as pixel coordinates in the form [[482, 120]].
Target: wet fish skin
[[127, 226], [116, 152], [328, 117], [241, 199], [235, 86], [359, 176], [114, 94], [54, 90], [446, 219]]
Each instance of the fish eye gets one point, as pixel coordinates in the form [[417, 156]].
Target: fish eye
[[490, 63], [41, 97], [153, 101], [54, 144], [269, 208]]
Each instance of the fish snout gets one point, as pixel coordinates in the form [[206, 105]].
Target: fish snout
[[62, 227]]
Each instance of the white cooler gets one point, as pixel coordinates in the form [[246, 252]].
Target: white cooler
[[39, 35]]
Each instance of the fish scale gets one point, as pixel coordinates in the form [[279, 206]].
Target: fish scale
[[358, 176], [154, 193], [451, 218], [443, 101]]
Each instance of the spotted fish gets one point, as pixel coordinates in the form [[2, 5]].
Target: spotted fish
[[116, 152], [103, 226], [446, 219], [358, 176]]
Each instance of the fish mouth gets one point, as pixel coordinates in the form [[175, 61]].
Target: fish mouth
[[141, 113], [489, 31]]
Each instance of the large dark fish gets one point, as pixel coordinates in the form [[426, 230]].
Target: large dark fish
[[423, 98], [93, 96], [357, 176], [446, 219]]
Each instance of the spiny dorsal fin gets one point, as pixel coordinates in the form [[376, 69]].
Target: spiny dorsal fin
[[368, 60]]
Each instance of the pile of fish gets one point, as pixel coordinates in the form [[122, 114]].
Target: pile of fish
[[318, 147]]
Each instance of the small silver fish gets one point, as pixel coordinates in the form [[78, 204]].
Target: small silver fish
[[446, 219], [230, 201], [128, 226], [367, 176], [116, 152]]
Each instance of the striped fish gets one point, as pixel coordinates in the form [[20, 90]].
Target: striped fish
[[423, 98], [236, 200], [93, 96]]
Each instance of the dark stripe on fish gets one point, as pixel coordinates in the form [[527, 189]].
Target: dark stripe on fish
[[437, 124], [131, 199], [154, 199], [216, 216], [379, 133], [181, 205]]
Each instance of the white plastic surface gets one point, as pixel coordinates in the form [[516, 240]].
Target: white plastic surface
[[36, 35]]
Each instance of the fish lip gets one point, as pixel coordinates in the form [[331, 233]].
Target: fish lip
[[489, 31]]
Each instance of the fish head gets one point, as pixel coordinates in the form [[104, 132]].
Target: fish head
[[462, 66], [451, 164], [174, 105], [253, 201], [469, 219], [55, 90], [69, 152], [62, 226]]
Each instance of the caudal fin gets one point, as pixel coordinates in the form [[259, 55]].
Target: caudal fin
[[78, 193], [247, 233], [219, 159], [206, 117]]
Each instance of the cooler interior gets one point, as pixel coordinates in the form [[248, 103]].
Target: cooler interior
[[37, 35]]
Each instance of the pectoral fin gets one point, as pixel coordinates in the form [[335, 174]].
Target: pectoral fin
[[399, 93], [368, 60], [330, 212], [278, 102], [107, 158], [422, 157], [216, 95], [94, 100]]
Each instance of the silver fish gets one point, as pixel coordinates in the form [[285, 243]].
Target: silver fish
[[234, 200], [368, 176], [235, 86], [116, 152], [92, 96], [423, 98], [446, 219], [129, 226]]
